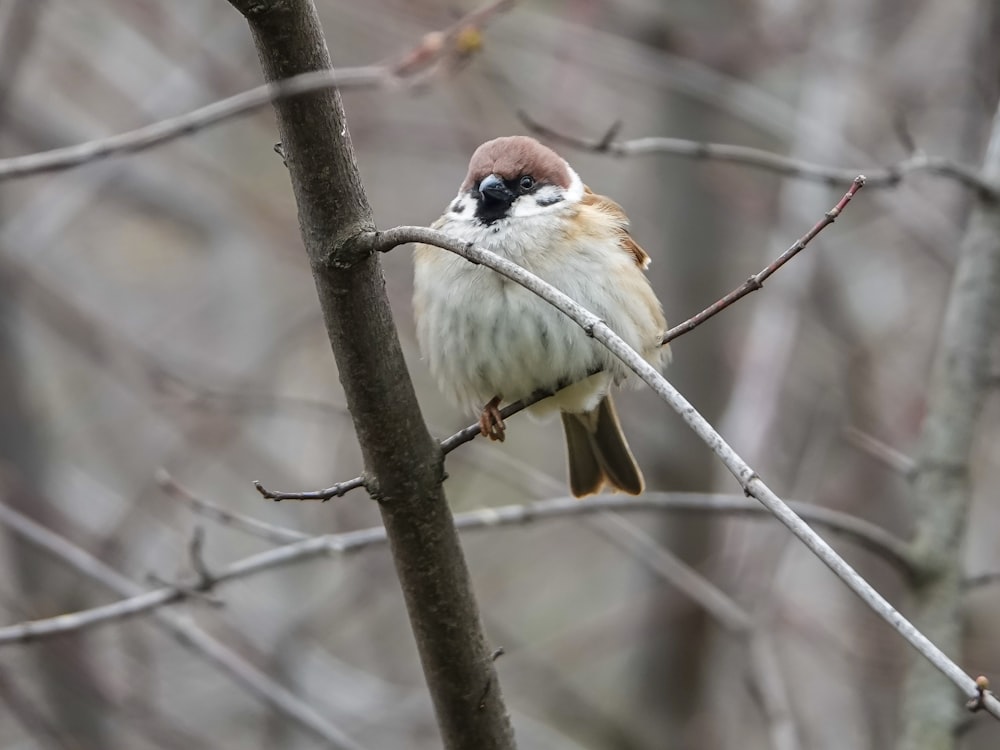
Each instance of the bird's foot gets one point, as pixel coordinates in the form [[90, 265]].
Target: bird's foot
[[491, 423]]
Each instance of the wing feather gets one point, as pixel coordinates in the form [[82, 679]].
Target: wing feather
[[616, 212]]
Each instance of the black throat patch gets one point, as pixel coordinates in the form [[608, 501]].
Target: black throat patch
[[489, 211]]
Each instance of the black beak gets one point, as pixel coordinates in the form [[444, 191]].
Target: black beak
[[494, 191]]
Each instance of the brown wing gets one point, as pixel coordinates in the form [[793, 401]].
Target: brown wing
[[608, 206]]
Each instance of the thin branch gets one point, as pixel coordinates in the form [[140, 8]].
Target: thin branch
[[181, 627], [762, 661], [748, 479], [857, 530], [453, 44], [718, 604], [463, 436], [193, 394], [241, 521], [756, 281], [770, 681], [883, 452], [983, 579], [196, 551], [865, 534], [879, 177], [338, 490]]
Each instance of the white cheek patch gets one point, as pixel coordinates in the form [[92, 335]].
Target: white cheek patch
[[528, 205], [548, 198], [460, 207]]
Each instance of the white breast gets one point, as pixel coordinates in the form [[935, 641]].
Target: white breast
[[485, 336]]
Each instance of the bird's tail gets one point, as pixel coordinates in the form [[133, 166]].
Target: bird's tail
[[598, 452]]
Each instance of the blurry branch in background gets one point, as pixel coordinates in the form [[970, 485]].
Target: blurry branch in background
[[983, 579], [184, 630], [240, 521], [752, 284], [438, 53], [192, 393], [299, 547], [881, 452], [763, 667], [863, 533], [885, 177]]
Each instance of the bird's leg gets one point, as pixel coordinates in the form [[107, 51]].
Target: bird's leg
[[490, 422]]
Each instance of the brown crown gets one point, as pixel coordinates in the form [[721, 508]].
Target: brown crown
[[513, 156]]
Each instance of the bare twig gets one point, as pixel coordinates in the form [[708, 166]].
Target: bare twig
[[241, 521], [885, 177], [857, 530], [192, 393], [451, 45], [187, 633], [194, 590], [983, 579], [863, 533], [196, 549], [730, 615], [748, 479], [756, 281], [455, 43], [763, 667], [770, 681], [886, 454], [463, 436], [338, 490]]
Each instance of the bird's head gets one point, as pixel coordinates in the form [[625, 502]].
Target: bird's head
[[516, 177]]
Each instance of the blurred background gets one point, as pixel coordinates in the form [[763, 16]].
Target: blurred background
[[157, 310]]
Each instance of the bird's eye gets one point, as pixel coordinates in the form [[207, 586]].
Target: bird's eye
[[526, 183]]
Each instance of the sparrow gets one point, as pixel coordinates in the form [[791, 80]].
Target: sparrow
[[490, 341]]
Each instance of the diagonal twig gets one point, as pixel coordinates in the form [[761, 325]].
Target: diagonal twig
[[763, 667], [756, 281], [748, 479], [241, 521], [887, 455]]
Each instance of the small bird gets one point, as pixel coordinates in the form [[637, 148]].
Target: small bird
[[490, 341]]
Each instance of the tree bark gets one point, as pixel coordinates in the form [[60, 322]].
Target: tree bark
[[404, 467], [959, 380]]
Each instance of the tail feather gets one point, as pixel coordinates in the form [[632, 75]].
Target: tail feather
[[586, 476], [598, 452], [613, 451]]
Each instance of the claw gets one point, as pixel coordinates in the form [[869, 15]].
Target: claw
[[490, 422]]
